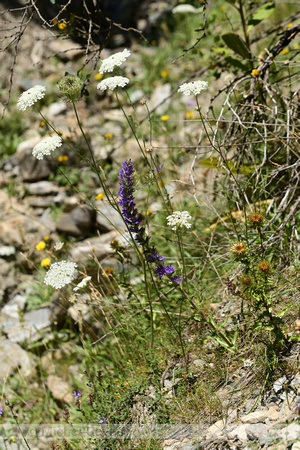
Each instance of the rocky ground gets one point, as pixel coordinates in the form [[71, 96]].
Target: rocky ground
[[27, 201]]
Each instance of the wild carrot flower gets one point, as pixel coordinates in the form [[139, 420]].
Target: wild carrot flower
[[112, 83], [194, 87], [31, 96], [113, 61], [82, 284], [60, 274], [132, 219], [45, 147], [179, 219]]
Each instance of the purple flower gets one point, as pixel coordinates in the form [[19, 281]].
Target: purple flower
[[89, 384], [1, 411], [76, 394], [131, 218], [176, 279], [103, 420]]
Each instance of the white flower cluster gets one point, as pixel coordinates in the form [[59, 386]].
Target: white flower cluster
[[7, 250], [60, 274], [28, 98], [82, 284], [113, 61], [185, 8], [179, 219], [112, 83], [59, 245], [46, 146], [194, 87]]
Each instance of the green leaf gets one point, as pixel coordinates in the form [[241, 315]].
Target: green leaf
[[232, 2], [53, 2], [260, 14], [236, 43], [221, 50], [235, 62]]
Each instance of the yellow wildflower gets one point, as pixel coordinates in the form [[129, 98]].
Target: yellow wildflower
[[238, 249], [40, 246], [164, 73], [108, 135], [60, 158], [289, 25], [255, 72], [164, 118], [45, 262], [46, 238], [62, 25], [100, 196], [42, 123], [189, 114], [284, 51], [161, 183], [65, 157], [98, 76]]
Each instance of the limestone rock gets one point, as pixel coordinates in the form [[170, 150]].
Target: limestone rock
[[59, 388], [30, 327], [79, 222], [13, 357]]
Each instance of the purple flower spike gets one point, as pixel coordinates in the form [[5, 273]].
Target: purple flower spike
[[132, 220], [76, 394]]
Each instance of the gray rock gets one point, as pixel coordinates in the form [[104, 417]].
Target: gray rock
[[79, 222], [13, 357], [291, 432], [32, 169], [108, 218], [99, 246], [255, 417], [256, 431], [59, 388], [14, 306], [160, 94], [42, 188], [30, 327], [55, 109], [199, 363]]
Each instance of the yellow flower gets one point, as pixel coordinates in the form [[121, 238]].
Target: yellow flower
[[296, 46], [284, 51], [289, 25], [108, 135], [100, 196], [60, 158], [45, 262], [62, 25], [164, 118], [42, 123], [255, 72], [40, 246], [161, 184], [65, 157], [46, 238], [54, 21], [164, 73], [238, 249], [98, 76], [189, 114]]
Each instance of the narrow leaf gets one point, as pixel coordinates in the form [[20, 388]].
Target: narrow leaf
[[236, 43]]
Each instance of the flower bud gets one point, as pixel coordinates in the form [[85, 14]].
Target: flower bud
[[71, 87]]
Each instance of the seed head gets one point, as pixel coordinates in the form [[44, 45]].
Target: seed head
[[71, 87], [264, 266], [256, 220], [245, 280]]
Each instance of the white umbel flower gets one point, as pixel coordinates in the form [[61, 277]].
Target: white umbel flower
[[60, 274], [28, 98], [179, 219], [113, 61], [185, 8], [112, 83], [7, 250], [82, 284], [194, 87], [46, 146]]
